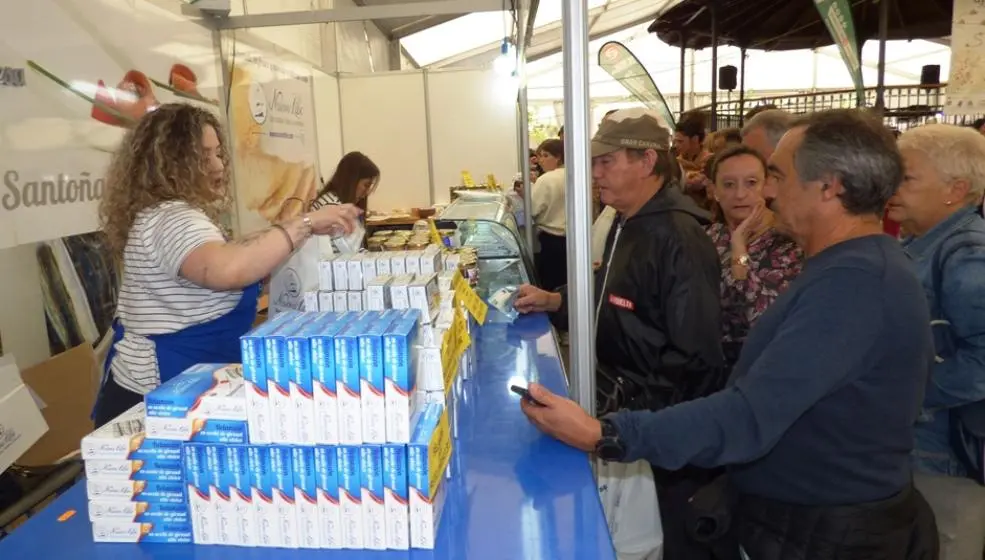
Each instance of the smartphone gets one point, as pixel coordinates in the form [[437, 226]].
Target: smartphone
[[524, 394]]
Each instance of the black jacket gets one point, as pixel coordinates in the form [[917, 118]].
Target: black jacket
[[658, 316]]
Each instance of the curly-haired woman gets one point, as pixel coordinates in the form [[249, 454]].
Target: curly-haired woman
[[188, 292]]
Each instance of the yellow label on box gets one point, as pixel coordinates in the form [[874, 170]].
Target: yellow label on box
[[471, 300], [439, 453], [449, 364], [435, 235], [467, 179], [491, 181]]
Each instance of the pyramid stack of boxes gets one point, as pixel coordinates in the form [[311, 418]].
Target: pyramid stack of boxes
[[335, 432]]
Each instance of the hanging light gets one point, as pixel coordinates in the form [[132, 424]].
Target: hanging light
[[505, 63]]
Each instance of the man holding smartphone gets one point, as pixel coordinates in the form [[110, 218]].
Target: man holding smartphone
[[657, 296]]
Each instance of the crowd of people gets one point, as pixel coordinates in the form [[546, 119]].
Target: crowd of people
[[767, 348]]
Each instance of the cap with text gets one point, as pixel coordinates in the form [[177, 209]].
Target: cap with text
[[630, 129]]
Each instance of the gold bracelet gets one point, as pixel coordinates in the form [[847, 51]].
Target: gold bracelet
[[286, 235]]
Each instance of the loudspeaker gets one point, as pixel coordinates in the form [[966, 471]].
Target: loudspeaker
[[930, 75], [728, 77]]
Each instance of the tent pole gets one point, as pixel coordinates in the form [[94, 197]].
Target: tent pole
[[714, 65], [683, 66], [883, 35], [579, 210], [742, 86]]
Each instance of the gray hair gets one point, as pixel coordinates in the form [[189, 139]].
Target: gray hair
[[955, 152], [856, 149], [774, 122]]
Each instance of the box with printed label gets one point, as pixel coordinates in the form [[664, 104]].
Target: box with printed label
[[374, 512], [399, 354], [325, 280], [427, 460], [355, 301], [199, 430], [306, 497], [369, 268], [227, 525], [198, 483], [398, 263], [354, 273], [108, 531], [371, 374], [324, 379], [327, 483], [279, 373], [268, 524], [395, 499], [254, 356], [350, 496], [348, 378], [431, 260], [422, 294], [302, 378], [282, 471], [310, 302], [340, 274], [326, 301], [383, 267], [378, 294], [206, 403], [241, 494], [119, 511], [399, 291], [136, 491], [123, 439], [140, 469], [340, 301], [412, 262]]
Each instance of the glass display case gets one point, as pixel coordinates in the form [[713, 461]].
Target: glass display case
[[487, 222]]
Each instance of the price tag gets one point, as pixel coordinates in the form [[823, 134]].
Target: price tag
[[467, 179], [435, 235], [491, 181], [449, 364], [471, 300]]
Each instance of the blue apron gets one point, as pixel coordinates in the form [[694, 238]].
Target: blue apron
[[216, 341]]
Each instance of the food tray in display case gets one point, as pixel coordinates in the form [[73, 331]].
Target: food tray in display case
[[486, 221]]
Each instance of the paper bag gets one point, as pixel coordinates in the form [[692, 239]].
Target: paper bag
[[294, 278]]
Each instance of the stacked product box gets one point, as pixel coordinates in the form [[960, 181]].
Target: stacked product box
[[135, 484], [428, 455]]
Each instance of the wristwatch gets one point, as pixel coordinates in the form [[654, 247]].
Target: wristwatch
[[741, 260], [610, 447]]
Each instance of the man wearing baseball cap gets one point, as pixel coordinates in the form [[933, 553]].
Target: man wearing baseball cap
[[657, 295]]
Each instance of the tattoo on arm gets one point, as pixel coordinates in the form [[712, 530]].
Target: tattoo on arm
[[252, 238]]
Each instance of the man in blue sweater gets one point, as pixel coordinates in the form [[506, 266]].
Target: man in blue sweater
[[816, 423]]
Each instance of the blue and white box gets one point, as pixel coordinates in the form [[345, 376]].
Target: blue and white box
[[427, 461], [350, 496], [227, 526], [254, 357], [395, 499], [137, 491], [329, 511], [138, 512], [285, 427], [241, 493], [371, 374], [306, 497], [401, 375], [139, 469], [374, 511], [282, 469], [301, 385], [124, 439], [151, 533], [324, 379], [262, 491], [206, 403], [198, 482], [348, 379]]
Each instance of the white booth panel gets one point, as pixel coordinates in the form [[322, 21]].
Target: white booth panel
[[473, 128], [383, 117], [328, 123]]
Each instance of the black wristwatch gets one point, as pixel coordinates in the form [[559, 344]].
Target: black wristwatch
[[610, 447]]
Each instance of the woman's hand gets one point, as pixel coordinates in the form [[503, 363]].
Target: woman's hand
[[334, 218], [749, 226]]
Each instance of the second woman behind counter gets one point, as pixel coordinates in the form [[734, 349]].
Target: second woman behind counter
[[548, 213], [355, 178]]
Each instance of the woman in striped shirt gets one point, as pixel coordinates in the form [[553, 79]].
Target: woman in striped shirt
[[188, 292]]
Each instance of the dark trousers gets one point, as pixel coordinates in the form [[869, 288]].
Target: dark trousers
[[552, 261], [113, 400], [674, 492]]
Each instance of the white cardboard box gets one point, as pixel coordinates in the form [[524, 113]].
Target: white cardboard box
[[21, 422]]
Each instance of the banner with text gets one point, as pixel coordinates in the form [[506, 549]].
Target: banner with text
[[620, 63], [837, 17], [966, 85]]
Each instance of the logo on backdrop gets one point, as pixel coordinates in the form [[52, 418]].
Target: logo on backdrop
[[258, 103], [12, 77], [64, 189]]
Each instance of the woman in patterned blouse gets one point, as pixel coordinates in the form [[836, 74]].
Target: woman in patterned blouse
[[757, 262]]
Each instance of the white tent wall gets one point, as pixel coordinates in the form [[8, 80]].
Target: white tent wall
[[424, 131]]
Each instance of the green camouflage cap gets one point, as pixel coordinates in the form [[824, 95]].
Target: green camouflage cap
[[631, 129]]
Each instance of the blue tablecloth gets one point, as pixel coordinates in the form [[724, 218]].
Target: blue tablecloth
[[518, 495]]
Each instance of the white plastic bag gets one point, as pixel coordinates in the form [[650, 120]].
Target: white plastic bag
[[629, 499], [600, 232], [294, 278]]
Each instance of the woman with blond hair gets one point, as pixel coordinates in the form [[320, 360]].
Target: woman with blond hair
[[187, 292], [937, 205]]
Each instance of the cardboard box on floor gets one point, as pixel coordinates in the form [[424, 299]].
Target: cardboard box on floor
[[21, 422], [66, 387]]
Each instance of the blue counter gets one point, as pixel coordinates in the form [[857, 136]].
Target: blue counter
[[518, 495]]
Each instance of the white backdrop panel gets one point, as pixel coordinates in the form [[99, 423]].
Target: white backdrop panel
[[473, 128], [383, 117], [328, 123]]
